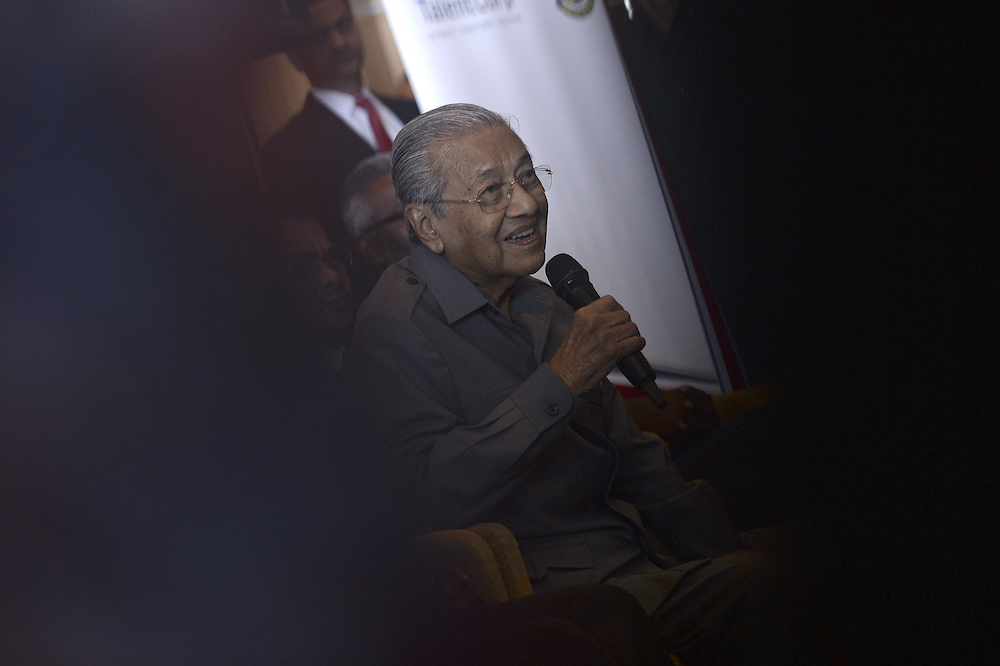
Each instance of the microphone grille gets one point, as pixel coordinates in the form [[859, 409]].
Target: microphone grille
[[559, 267]]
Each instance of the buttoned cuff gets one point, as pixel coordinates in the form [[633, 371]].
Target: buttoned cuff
[[544, 398]]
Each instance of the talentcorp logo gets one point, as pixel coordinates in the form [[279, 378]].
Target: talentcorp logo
[[435, 11], [576, 7]]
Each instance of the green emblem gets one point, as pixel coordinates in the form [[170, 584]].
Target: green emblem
[[576, 7]]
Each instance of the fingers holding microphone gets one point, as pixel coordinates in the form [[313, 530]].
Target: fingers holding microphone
[[600, 334], [571, 282]]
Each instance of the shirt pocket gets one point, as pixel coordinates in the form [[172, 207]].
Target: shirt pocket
[[558, 557]]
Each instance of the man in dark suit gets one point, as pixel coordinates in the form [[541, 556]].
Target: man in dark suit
[[340, 124]]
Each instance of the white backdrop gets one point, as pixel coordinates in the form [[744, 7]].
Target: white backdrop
[[561, 78]]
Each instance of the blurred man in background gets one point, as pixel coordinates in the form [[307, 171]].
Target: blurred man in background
[[340, 124], [373, 216]]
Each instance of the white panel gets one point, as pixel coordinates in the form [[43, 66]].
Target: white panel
[[561, 78]]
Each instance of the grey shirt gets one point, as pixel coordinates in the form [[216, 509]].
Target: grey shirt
[[478, 428]]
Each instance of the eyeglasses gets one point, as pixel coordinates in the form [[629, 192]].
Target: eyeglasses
[[311, 267], [322, 34], [497, 196]]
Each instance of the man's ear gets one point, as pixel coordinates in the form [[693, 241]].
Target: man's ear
[[422, 221]]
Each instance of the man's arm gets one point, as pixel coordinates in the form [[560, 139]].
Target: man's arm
[[689, 518], [415, 412]]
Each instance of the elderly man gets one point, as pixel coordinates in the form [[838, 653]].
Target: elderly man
[[496, 405], [372, 214]]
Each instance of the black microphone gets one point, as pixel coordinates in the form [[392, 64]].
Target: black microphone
[[572, 283]]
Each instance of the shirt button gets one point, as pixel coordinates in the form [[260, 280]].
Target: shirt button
[[411, 280], [552, 410]]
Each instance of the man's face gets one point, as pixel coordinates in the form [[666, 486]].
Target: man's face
[[386, 241], [316, 279], [333, 57], [493, 250]]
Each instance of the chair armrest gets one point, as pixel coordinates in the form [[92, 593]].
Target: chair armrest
[[508, 558], [469, 553], [729, 405]]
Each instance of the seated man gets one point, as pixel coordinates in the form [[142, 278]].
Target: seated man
[[375, 221], [315, 299], [372, 214], [494, 402], [594, 624]]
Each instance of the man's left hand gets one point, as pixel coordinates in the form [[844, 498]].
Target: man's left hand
[[688, 412], [694, 413]]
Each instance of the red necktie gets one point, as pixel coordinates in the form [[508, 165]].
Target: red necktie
[[381, 136]]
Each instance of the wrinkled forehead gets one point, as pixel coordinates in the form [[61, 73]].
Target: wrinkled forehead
[[490, 152]]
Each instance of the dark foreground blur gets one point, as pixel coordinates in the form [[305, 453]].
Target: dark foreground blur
[[162, 500]]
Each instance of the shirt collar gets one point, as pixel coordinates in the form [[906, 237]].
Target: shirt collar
[[338, 101], [458, 297], [333, 356], [454, 292]]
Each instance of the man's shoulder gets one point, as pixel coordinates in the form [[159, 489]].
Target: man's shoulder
[[312, 122], [396, 321], [396, 294], [532, 288]]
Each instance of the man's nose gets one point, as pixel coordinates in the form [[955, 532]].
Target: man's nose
[[334, 276], [337, 38], [521, 202]]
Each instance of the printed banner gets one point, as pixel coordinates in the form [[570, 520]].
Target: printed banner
[[555, 68]]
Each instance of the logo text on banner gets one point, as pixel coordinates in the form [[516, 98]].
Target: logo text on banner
[[435, 11]]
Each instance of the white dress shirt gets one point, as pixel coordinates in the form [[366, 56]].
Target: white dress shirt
[[344, 105]]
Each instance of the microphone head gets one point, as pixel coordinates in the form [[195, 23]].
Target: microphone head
[[561, 268]]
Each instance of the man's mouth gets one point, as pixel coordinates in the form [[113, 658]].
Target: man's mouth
[[349, 59], [523, 236]]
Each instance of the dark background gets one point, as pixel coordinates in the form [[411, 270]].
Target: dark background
[[828, 158], [835, 165], [163, 501], [164, 497]]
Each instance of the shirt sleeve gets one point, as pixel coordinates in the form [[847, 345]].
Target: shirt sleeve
[[689, 518], [437, 461]]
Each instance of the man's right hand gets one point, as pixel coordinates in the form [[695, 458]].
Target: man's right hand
[[601, 333]]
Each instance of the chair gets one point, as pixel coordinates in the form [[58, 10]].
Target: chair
[[487, 553], [729, 405]]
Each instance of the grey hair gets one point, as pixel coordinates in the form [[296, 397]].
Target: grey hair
[[416, 177], [355, 209]]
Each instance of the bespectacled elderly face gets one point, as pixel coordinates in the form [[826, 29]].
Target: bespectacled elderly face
[[386, 241], [493, 250]]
